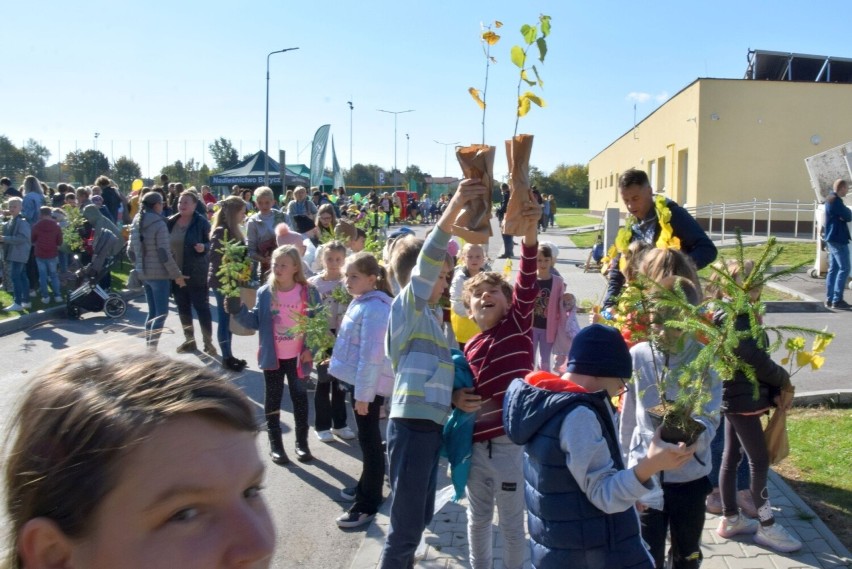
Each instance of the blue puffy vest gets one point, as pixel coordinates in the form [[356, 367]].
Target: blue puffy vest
[[566, 529]]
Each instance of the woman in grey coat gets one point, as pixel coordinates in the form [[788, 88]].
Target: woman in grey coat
[[151, 255]]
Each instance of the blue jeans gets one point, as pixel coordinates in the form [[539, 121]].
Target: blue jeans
[[157, 295], [413, 452], [838, 271], [20, 282], [47, 274], [223, 326]]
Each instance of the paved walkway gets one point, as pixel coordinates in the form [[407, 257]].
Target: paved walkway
[[445, 540]]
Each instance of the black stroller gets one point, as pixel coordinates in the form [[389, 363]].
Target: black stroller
[[88, 296]]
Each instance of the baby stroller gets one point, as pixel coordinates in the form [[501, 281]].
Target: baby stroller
[[88, 295]]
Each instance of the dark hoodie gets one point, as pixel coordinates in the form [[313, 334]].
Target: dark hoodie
[[568, 435]]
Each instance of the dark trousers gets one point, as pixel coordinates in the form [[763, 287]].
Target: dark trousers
[[274, 379], [223, 326], [717, 447], [683, 517], [413, 452], [32, 271], [368, 494], [744, 432], [197, 297], [508, 245], [329, 401]]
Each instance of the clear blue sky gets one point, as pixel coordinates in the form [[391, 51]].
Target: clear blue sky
[[187, 72]]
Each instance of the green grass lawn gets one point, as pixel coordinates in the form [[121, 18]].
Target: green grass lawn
[[584, 240], [819, 465], [575, 219], [793, 253]]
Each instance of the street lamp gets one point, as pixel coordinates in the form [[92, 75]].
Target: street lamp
[[97, 134], [350, 133], [445, 144], [266, 149], [406, 150], [394, 113]]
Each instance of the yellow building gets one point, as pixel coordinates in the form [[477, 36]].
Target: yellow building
[[732, 140]]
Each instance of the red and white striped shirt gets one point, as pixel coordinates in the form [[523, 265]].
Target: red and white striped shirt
[[505, 352]]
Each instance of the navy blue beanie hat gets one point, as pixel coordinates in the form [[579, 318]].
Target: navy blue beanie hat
[[600, 351]]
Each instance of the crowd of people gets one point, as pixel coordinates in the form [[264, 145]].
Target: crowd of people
[[536, 415]]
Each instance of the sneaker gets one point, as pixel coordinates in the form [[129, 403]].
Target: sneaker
[[32, 294], [186, 347], [728, 527], [14, 307], [354, 519], [45, 300], [26, 305], [746, 503], [348, 494], [841, 305], [325, 436], [713, 505], [345, 433], [828, 304], [777, 538], [58, 298]]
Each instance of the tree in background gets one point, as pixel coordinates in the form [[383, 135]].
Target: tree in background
[[363, 175], [224, 153], [124, 171], [85, 165], [190, 174], [11, 160], [35, 158], [413, 174], [569, 184]]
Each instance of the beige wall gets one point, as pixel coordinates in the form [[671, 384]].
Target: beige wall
[[735, 139]]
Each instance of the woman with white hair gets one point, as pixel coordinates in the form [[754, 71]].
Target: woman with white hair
[[260, 229], [300, 206]]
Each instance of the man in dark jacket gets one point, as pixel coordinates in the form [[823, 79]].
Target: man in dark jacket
[[638, 198], [837, 216], [580, 498]]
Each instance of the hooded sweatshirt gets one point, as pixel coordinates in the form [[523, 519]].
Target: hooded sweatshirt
[[579, 496], [93, 215]]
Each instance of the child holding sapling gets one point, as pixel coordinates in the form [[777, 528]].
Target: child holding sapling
[[329, 399], [676, 505], [473, 261]]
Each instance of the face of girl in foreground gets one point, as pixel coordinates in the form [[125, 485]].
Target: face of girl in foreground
[[357, 283], [188, 497]]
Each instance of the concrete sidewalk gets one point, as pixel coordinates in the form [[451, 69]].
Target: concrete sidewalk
[[445, 539]]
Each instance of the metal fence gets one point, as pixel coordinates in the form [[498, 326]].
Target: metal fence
[[721, 218]]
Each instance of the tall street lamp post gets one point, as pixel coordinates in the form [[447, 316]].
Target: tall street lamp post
[[394, 113], [445, 145], [351, 106], [266, 148]]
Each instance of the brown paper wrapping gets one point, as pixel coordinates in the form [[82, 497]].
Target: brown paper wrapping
[[518, 151], [473, 223]]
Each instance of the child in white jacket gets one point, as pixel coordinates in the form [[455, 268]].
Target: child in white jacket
[[359, 360]]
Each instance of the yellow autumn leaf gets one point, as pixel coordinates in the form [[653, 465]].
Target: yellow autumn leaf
[[490, 37], [533, 98], [785, 361], [475, 94], [498, 24], [817, 361], [803, 358], [821, 342], [523, 105]]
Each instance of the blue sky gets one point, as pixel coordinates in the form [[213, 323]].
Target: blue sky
[[186, 72]]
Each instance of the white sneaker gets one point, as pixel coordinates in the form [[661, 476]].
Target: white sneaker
[[26, 305], [45, 300], [325, 436], [32, 294], [58, 298], [14, 307], [777, 538], [729, 527], [345, 433]]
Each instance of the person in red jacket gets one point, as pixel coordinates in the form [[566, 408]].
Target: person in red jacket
[[46, 239]]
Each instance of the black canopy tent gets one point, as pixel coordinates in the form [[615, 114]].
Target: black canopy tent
[[250, 173]]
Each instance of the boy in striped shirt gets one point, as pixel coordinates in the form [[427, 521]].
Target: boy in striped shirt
[[503, 351]]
